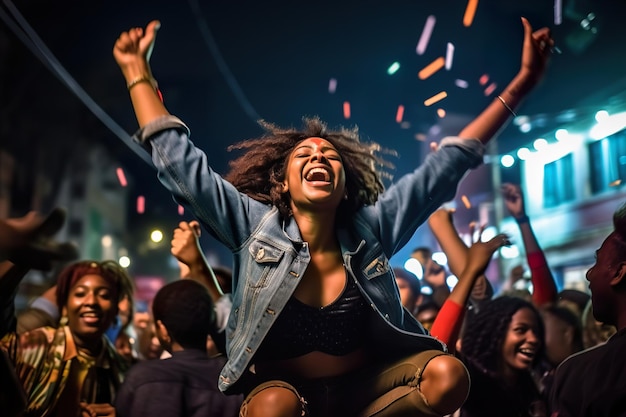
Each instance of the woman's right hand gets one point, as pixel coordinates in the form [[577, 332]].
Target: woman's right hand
[[480, 254]]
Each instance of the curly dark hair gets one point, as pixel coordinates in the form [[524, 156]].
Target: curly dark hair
[[260, 171], [486, 330]]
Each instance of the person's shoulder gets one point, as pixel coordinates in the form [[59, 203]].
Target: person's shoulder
[[149, 370]]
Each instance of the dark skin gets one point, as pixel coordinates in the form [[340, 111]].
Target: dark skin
[[314, 202]]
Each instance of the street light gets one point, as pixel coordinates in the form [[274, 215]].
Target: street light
[[156, 236]]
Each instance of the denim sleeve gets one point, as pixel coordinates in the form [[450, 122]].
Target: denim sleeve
[[185, 171], [408, 203]]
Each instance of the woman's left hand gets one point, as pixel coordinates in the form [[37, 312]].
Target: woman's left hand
[[536, 51]]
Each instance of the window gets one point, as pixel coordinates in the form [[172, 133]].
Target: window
[[558, 182], [607, 162]]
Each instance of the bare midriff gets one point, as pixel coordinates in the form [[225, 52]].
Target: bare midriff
[[315, 365]]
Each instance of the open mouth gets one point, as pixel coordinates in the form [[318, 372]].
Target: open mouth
[[319, 175], [91, 317], [528, 353]]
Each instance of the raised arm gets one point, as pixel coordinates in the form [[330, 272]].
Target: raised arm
[[27, 243], [535, 56], [544, 286], [186, 249], [442, 226], [449, 320], [132, 52]]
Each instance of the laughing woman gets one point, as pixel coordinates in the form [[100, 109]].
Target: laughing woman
[[317, 327], [501, 345], [72, 370]]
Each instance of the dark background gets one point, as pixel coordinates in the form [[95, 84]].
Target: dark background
[[224, 64]]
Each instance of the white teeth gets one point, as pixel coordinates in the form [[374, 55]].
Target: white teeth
[[318, 174]]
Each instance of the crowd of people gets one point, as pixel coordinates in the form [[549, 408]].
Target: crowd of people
[[311, 320]]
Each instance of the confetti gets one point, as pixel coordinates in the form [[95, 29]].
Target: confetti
[[346, 109], [449, 56], [436, 98], [461, 83], [431, 68], [466, 202], [141, 204], [422, 44], [484, 79], [615, 183], [393, 68], [181, 210], [441, 113], [332, 86], [470, 12], [558, 12], [121, 177], [490, 89], [400, 113]]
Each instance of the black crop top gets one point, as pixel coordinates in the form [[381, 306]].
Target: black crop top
[[337, 329]]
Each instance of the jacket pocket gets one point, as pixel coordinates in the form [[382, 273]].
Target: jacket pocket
[[377, 267], [264, 259]]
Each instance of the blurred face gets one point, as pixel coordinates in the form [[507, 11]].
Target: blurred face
[[427, 317], [558, 338], [599, 277], [91, 308], [124, 346], [407, 297], [148, 345], [124, 309], [422, 256], [315, 176], [521, 342]]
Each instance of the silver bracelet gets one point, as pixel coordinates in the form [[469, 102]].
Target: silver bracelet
[[507, 106]]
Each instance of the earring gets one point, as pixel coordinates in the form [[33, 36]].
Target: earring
[[64, 320], [345, 196]]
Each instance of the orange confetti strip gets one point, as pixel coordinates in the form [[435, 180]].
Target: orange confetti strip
[[470, 12], [615, 183], [466, 202], [441, 113], [420, 136], [431, 68], [400, 114], [121, 177], [346, 109], [141, 204], [436, 98]]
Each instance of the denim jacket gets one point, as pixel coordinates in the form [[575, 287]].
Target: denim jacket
[[270, 256]]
